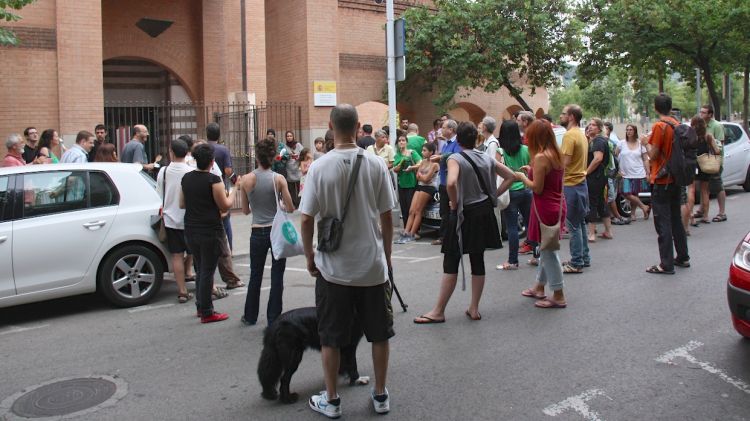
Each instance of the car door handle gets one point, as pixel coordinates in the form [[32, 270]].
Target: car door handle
[[3, 238], [94, 225]]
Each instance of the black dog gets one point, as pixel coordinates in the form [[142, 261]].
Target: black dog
[[286, 339]]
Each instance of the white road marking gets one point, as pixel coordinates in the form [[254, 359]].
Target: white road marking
[[144, 308], [578, 404], [684, 352], [422, 259], [16, 329]]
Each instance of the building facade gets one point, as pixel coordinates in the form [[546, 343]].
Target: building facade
[[77, 56]]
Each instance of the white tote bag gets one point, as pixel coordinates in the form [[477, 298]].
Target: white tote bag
[[504, 199], [285, 240]]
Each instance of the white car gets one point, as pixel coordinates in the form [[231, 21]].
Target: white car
[[736, 156], [68, 229]]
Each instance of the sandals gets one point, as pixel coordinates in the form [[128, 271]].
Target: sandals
[[234, 284], [657, 269], [425, 320], [218, 293], [507, 266], [698, 214], [606, 236], [548, 303], [568, 268], [646, 214], [569, 263], [533, 262], [532, 293], [184, 298], [720, 217], [476, 319]]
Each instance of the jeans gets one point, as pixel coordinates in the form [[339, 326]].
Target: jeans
[[260, 244], [405, 195], [520, 202], [665, 203], [206, 248], [550, 270], [576, 199]]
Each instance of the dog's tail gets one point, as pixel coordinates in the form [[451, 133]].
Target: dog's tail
[[269, 367]]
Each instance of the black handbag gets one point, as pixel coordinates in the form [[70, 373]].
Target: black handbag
[[330, 229]]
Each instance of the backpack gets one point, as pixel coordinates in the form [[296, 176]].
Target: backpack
[[613, 166], [682, 163]]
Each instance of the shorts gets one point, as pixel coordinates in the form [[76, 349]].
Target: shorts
[[451, 262], [338, 305], [715, 184], [431, 190], [611, 190], [176, 241], [597, 202], [634, 186]]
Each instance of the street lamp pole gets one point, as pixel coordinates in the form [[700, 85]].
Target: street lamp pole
[[391, 73]]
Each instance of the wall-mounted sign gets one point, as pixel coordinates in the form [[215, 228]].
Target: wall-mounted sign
[[324, 93]]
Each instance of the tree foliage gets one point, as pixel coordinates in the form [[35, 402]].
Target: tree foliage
[[7, 8], [487, 44], [654, 37]]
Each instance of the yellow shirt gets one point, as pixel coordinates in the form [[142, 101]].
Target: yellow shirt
[[386, 152], [575, 145]]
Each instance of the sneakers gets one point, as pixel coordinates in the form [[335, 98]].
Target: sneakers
[[526, 248], [215, 317], [320, 403], [381, 403]]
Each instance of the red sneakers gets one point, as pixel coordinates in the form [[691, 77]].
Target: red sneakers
[[525, 249], [216, 317]]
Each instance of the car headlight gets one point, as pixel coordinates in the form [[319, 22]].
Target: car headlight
[[742, 255]]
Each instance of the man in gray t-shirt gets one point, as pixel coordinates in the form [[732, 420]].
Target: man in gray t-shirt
[[134, 152]]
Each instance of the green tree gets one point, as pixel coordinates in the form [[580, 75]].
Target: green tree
[[645, 35], [7, 8], [487, 44]]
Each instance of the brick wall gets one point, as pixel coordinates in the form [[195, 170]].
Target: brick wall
[[178, 49], [79, 66], [256, 48], [28, 75]]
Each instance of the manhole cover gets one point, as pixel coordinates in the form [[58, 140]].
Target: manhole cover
[[66, 396]]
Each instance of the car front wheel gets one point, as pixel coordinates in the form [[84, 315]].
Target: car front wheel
[[130, 276]]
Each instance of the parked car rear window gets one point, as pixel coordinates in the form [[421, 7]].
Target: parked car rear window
[[103, 192], [732, 133]]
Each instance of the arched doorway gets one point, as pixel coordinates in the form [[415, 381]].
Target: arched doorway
[[511, 110], [139, 91], [466, 111]]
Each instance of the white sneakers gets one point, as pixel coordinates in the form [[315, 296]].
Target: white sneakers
[[381, 403], [319, 403]]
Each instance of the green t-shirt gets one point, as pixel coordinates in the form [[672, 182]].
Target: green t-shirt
[[415, 143], [515, 162], [407, 180], [715, 129]]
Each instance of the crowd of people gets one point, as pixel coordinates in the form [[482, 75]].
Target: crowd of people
[[549, 189]]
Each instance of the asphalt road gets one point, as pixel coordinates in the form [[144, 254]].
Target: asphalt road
[[630, 345]]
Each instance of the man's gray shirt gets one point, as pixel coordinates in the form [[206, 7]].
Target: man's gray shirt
[[134, 153]]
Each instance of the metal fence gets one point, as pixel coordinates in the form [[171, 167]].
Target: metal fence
[[242, 125]]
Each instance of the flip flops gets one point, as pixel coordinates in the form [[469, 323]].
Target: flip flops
[[184, 298], [532, 293], [547, 303], [479, 316], [218, 293], [657, 269], [235, 284], [427, 320], [507, 266]]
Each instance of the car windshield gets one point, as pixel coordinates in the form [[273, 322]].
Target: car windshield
[[151, 181]]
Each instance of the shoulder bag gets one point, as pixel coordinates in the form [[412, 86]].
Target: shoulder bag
[[330, 229], [549, 235], [503, 201], [157, 221]]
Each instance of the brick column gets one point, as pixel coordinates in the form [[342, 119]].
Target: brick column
[[79, 66], [214, 51], [322, 62]]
